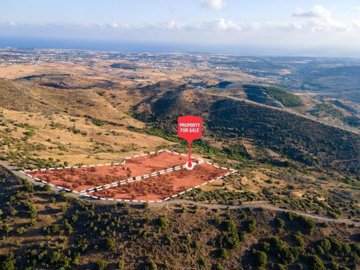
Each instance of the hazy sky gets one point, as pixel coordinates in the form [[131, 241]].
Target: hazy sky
[[290, 26]]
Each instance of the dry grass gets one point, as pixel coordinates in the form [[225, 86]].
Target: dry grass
[[96, 143]]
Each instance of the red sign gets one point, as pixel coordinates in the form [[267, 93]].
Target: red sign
[[189, 127]]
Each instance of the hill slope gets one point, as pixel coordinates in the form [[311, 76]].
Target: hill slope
[[17, 97], [298, 138], [271, 96], [42, 230]]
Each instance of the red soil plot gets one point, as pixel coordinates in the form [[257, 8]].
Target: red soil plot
[[80, 179], [163, 186]]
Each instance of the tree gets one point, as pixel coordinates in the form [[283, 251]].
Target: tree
[[250, 225], [298, 237], [163, 222], [150, 264], [228, 241], [218, 266], [260, 258], [121, 264], [279, 223], [280, 267], [315, 263], [9, 262], [101, 265], [202, 262], [309, 225], [229, 226], [110, 244], [223, 253]]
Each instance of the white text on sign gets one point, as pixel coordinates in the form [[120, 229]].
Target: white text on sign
[[189, 127]]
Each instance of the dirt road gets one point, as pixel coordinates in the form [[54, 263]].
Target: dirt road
[[252, 205], [259, 204]]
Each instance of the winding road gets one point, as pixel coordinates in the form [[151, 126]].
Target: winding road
[[253, 205], [260, 204]]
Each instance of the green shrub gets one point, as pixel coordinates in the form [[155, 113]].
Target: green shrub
[[299, 240], [279, 223], [110, 244], [102, 265], [260, 258], [280, 267], [202, 262], [218, 266], [250, 225], [229, 226], [97, 122], [223, 253], [163, 222], [121, 264], [150, 264], [315, 263], [8, 263]]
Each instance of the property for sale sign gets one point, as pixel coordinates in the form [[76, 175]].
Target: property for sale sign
[[189, 128]]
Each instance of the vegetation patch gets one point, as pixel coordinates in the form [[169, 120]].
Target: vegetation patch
[[272, 96]]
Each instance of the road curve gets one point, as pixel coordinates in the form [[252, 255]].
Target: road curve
[[253, 205], [259, 204]]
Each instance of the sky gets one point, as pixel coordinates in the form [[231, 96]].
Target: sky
[[279, 27]]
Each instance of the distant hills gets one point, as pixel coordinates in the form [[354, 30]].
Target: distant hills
[[227, 119]]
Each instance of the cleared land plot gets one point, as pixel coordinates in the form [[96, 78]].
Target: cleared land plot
[[161, 187], [88, 177]]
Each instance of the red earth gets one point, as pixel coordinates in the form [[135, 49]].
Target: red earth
[[163, 186], [80, 179]]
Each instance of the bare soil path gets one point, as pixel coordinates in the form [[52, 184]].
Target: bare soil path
[[252, 205]]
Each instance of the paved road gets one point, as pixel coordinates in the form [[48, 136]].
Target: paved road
[[252, 205]]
